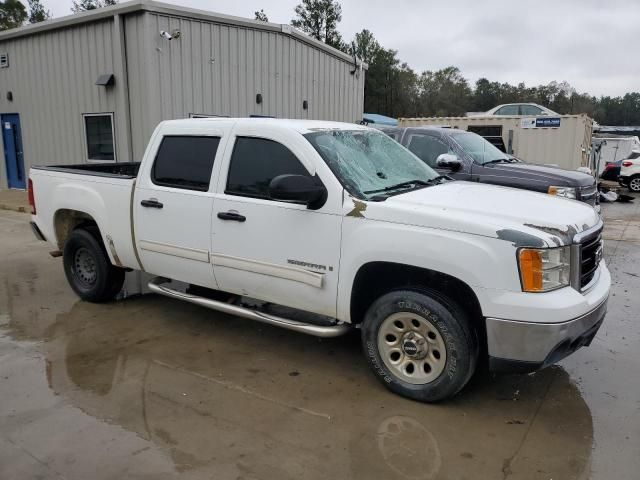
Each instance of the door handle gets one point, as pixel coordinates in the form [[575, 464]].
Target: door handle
[[236, 217], [151, 203]]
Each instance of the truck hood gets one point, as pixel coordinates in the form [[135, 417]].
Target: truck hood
[[522, 217], [544, 174]]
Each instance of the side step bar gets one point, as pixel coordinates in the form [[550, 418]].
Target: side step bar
[[156, 285]]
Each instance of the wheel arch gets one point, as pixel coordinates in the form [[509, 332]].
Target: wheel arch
[[374, 279], [67, 220]]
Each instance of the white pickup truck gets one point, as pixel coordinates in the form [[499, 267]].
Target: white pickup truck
[[323, 227]]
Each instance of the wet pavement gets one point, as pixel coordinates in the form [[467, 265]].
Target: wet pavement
[[150, 387]]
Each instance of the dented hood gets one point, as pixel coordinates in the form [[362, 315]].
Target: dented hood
[[519, 216]]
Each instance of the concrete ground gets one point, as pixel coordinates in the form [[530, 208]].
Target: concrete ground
[[149, 387], [15, 200]]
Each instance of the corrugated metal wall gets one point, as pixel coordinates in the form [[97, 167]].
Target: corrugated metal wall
[[212, 69], [218, 69], [52, 77]]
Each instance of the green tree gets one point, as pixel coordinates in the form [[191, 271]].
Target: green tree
[[444, 92], [319, 19], [365, 46], [37, 12], [84, 5], [260, 15], [12, 14]]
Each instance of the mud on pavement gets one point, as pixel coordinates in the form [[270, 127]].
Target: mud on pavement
[[151, 387]]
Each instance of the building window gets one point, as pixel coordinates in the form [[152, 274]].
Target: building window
[[4, 60], [98, 128]]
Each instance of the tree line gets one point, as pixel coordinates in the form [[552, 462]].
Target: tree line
[[392, 87]]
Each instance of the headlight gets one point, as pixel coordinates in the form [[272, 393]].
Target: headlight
[[544, 269], [567, 192]]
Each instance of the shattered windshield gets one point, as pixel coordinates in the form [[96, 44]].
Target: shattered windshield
[[480, 149], [368, 162]]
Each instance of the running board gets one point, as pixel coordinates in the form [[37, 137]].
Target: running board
[[324, 331]]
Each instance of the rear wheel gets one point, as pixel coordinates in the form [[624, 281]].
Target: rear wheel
[[420, 344], [634, 183], [88, 269]]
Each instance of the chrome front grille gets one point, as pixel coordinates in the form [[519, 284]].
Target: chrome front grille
[[589, 194], [586, 254], [590, 256]]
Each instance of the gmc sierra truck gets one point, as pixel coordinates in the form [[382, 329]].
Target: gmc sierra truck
[[323, 227]]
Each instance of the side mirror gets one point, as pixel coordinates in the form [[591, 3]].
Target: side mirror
[[450, 161], [299, 189]]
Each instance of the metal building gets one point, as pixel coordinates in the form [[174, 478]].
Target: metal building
[[93, 86]]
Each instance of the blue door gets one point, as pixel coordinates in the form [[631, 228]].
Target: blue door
[[13, 159]]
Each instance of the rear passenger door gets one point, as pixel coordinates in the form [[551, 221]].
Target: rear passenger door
[[273, 250], [172, 207]]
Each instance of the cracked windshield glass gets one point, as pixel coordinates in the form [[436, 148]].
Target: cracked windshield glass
[[369, 163]]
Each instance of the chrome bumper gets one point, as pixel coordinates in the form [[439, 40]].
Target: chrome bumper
[[527, 346]]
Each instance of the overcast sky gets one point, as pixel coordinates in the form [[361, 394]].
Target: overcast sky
[[592, 44]]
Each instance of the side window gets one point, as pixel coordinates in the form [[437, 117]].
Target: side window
[[508, 110], [257, 161], [185, 162], [428, 148], [530, 110]]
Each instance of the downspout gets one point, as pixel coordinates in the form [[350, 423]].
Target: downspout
[[123, 114]]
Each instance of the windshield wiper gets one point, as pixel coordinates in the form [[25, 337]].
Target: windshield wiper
[[499, 160], [440, 178], [407, 184]]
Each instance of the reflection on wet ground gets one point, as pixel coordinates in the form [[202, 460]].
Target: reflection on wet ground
[[150, 387]]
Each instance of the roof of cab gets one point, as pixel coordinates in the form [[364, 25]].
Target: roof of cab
[[301, 126]]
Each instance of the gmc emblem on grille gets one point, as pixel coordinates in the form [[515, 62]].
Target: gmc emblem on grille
[[598, 255]]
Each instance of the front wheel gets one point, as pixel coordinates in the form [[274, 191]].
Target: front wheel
[[634, 183], [88, 269], [420, 344]]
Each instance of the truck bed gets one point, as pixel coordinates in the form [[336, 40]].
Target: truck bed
[[102, 192], [110, 169]]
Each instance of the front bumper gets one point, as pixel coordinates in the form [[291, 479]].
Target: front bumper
[[526, 346]]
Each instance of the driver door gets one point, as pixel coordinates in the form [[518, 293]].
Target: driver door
[[273, 250]]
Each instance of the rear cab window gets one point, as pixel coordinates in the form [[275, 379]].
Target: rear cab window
[[185, 162], [257, 161]]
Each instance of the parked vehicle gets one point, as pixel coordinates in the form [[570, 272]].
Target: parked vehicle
[[467, 156], [320, 227], [525, 109], [630, 174], [611, 171]]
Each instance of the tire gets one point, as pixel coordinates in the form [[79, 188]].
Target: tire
[[436, 338], [634, 183], [88, 269]]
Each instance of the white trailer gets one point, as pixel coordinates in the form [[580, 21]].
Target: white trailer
[[564, 140]]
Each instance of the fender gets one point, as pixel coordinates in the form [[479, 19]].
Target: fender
[[475, 260]]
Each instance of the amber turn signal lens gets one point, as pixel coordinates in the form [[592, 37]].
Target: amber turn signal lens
[[531, 269]]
